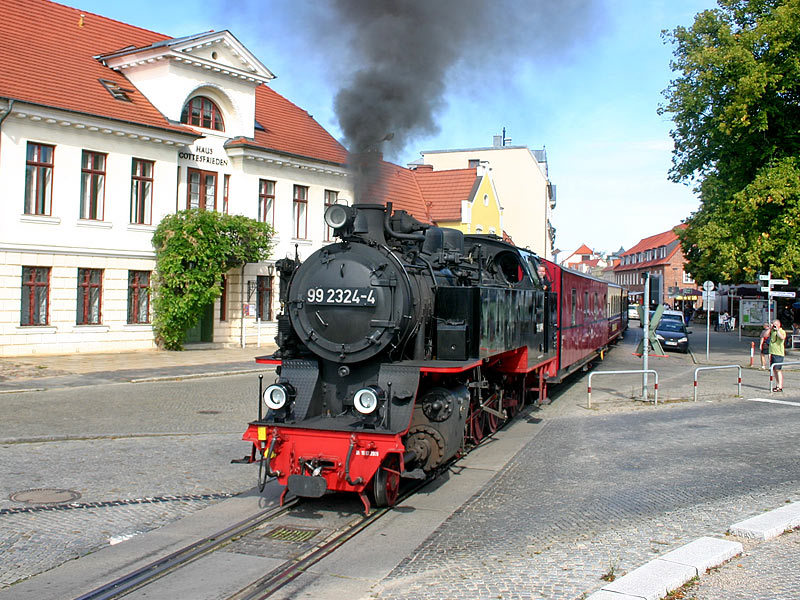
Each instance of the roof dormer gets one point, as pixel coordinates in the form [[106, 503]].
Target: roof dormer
[[213, 64]]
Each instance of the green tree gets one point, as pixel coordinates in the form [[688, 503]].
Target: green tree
[[735, 105], [193, 250]]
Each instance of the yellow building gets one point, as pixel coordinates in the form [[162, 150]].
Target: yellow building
[[464, 199]]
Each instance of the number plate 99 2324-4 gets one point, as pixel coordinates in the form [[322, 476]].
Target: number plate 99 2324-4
[[341, 296]]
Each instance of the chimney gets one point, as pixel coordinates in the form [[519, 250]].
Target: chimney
[[421, 168]]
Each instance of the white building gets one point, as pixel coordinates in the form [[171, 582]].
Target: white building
[[522, 181], [105, 128]]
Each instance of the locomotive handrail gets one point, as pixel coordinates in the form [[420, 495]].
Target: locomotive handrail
[[262, 483], [654, 372], [349, 481], [739, 383]]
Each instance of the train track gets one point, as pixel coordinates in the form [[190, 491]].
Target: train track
[[168, 564], [292, 569], [263, 587]]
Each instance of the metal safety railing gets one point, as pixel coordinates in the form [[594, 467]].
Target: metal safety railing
[[772, 370], [655, 387], [738, 383]]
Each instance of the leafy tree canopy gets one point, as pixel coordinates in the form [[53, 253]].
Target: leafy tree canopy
[[735, 105], [193, 250]]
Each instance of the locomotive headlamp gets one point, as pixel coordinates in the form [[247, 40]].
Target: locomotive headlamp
[[337, 215], [276, 396], [366, 400]]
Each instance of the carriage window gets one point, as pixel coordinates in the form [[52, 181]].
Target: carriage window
[[596, 305], [574, 305], [585, 304]]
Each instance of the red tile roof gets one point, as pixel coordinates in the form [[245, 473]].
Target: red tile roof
[[654, 241], [584, 249], [48, 59], [398, 185], [445, 190], [290, 129], [48, 52]]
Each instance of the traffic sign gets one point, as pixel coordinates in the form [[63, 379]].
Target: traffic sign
[[779, 282], [764, 277], [708, 285], [765, 288], [783, 294]]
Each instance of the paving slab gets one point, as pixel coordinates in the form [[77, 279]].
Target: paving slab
[[77, 577], [769, 525], [210, 578], [652, 580], [606, 595], [704, 553]]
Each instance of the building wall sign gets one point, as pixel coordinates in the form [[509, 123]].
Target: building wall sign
[[204, 155]]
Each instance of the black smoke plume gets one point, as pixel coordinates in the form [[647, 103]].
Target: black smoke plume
[[395, 61], [401, 53]]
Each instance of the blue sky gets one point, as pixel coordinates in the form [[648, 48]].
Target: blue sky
[[590, 98]]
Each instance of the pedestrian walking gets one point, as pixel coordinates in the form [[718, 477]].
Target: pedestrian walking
[[763, 346], [777, 337]]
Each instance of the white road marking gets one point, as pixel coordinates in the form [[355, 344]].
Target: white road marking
[[771, 401]]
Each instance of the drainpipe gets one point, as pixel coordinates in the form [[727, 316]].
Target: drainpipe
[[244, 301], [5, 114]]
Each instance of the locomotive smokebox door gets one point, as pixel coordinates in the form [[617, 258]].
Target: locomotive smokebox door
[[451, 342]]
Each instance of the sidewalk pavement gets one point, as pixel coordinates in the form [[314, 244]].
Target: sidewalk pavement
[[75, 370], [28, 373]]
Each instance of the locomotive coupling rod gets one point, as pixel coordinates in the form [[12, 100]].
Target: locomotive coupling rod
[[500, 414]]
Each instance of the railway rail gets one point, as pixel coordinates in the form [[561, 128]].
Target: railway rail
[[262, 588], [168, 564]]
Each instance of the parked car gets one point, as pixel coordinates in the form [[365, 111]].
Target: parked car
[[668, 315], [673, 335]]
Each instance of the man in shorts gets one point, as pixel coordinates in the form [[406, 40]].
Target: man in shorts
[[777, 337]]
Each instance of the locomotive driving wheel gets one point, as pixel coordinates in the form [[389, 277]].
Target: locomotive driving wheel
[[475, 422], [386, 482]]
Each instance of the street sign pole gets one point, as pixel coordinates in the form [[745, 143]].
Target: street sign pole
[[708, 299], [769, 297], [645, 332]]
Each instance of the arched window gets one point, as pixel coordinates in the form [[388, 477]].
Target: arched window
[[202, 112]]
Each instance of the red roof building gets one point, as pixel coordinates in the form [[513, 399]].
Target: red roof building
[[659, 255], [105, 128]]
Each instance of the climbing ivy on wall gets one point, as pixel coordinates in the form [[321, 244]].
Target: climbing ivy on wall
[[194, 249]]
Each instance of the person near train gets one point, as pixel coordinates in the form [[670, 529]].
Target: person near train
[[763, 345], [777, 337]]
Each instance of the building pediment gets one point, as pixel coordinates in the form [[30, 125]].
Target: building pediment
[[216, 52]]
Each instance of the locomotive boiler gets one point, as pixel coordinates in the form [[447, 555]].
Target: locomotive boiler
[[401, 345]]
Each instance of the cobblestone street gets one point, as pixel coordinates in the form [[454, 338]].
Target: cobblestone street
[[116, 444], [581, 494]]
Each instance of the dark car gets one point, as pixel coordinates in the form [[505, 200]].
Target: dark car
[[673, 335]]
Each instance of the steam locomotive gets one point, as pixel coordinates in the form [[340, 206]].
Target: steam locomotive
[[402, 344]]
